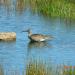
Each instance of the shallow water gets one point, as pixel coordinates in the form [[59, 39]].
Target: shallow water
[[15, 55]]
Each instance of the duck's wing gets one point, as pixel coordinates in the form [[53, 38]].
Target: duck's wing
[[40, 37], [37, 37]]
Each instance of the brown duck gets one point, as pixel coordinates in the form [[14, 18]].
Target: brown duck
[[37, 37]]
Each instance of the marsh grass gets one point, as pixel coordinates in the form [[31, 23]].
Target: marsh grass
[[69, 70], [1, 70], [40, 68], [54, 8], [50, 8], [35, 68]]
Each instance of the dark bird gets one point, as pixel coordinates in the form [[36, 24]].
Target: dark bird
[[37, 37]]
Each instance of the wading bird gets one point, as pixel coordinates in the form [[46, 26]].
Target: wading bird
[[37, 37]]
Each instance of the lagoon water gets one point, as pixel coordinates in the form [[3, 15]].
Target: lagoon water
[[16, 54]]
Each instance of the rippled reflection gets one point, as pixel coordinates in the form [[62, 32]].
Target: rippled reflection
[[14, 5], [20, 6], [7, 4], [37, 47], [37, 44]]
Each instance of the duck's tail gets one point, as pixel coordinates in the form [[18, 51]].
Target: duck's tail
[[49, 37]]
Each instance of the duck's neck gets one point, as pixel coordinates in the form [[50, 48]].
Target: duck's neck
[[29, 33]]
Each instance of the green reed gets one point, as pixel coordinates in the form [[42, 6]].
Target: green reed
[[38, 68], [51, 8], [1, 70], [41, 68], [54, 8], [69, 70]]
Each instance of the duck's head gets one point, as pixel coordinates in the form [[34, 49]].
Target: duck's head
[[29, 31]]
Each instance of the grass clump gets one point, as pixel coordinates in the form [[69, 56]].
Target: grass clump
[[55, 8]]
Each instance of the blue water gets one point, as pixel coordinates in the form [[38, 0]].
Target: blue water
[[15, 55]]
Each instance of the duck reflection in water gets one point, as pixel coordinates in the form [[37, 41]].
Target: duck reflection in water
[[43, 44], [40, 46]]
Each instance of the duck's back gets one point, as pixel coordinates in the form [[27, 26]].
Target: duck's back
[[38, 37]]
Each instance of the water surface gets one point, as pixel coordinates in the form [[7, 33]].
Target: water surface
[[15, 55]]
